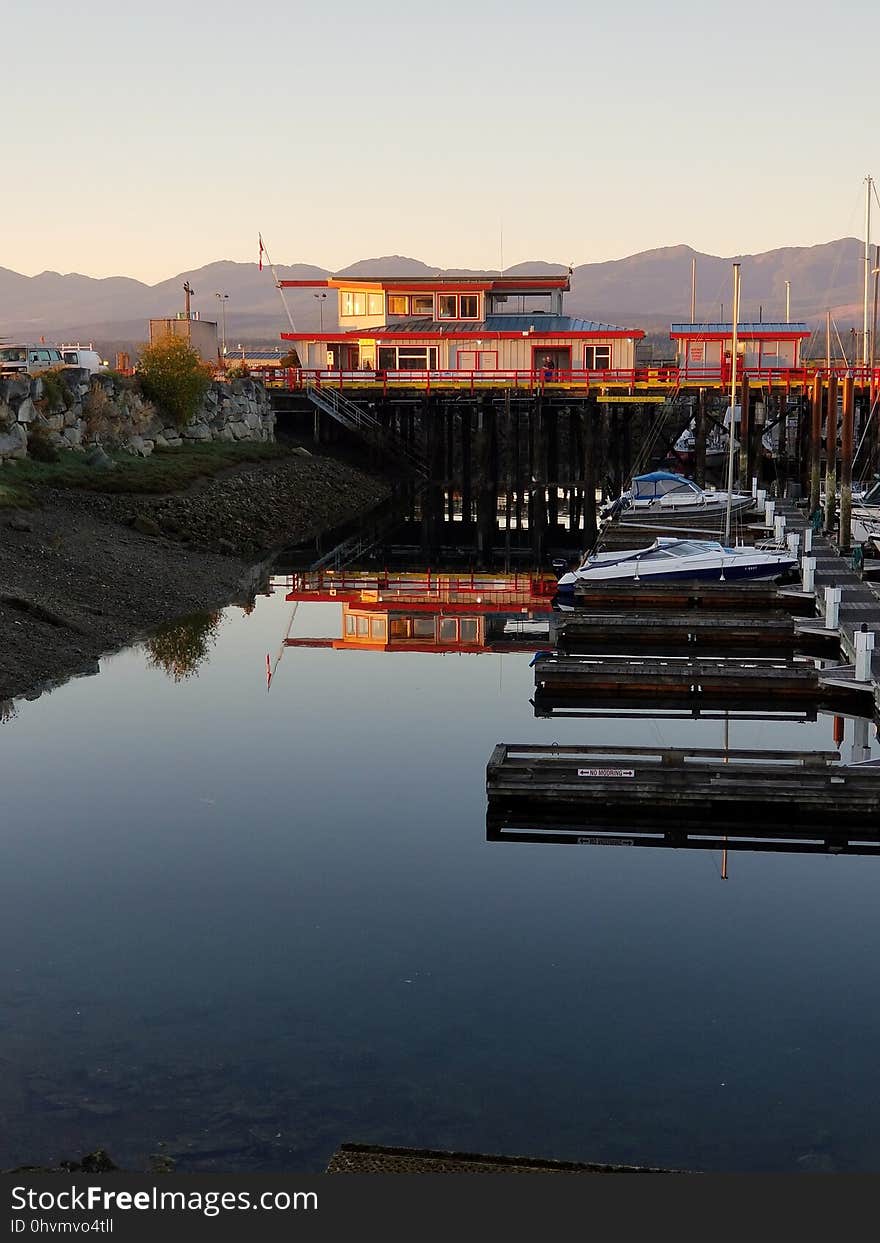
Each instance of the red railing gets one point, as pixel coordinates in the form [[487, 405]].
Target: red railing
[[665, 377]]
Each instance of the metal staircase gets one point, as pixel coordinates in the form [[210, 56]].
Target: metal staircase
[[365, 424]]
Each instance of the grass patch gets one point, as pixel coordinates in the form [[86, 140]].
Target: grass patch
[[166, 470], [13, 497]]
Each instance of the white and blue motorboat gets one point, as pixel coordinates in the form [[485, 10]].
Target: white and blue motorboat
[[662, 499], [669, 559]]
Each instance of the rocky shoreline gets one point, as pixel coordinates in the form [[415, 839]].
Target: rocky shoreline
[[85, 573]]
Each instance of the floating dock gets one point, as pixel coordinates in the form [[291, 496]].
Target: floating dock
[[710, 786]]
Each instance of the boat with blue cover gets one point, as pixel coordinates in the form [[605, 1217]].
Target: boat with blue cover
[[663, 499]]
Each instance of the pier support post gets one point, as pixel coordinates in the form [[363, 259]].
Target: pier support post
[[700, 440], [745, 433], [844, 538], [589, 470], [831, 455], [816, 443]]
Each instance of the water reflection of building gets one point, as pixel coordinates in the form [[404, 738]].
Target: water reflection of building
[[429, 611]]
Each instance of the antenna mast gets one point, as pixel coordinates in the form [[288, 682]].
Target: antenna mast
[[731, 434]]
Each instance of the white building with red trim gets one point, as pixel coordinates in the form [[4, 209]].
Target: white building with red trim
[[706, 348], [459, 325]]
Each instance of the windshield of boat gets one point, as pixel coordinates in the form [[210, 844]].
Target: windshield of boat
[[648, 487], [685, 548]]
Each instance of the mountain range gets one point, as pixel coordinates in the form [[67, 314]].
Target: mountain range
[[646, 290]]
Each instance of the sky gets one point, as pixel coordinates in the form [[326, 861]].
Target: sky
[[153, 138]]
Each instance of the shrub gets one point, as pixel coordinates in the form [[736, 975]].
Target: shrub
[[55, 391], [173, 375], [238, 371], [39, 446]]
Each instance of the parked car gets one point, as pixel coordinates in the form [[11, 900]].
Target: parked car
[[82, 356], [28, 359]]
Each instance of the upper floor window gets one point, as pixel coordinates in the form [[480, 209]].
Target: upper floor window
[[423, 304], [353, 303], [375, 304], [447, 305], [398, 304], [468, 305], [458, 306]]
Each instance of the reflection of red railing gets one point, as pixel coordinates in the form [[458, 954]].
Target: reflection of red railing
[[296, 379]]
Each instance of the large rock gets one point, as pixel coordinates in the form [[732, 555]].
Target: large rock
[[73, 436], [14, 442], [196, 431], [27, 411]]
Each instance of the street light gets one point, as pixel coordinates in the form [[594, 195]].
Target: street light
[[223, 299], [321, 297]]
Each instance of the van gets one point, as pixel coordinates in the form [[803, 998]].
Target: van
[[28, 359], [78, 356]]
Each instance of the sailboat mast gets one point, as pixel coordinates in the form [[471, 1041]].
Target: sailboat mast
[[866, 352], [731, 437]]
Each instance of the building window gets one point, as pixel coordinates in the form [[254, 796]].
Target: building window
[[407, 358], [448, 630], [349, 624], [375, 304], [377, 628], [398, 304], [470, 629], [423, 304], [597, 357], [423, 627], [468, 306], [353, 303], [363, 626], [400, 628], [447, 304]]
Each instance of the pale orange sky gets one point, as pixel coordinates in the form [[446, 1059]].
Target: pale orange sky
[[167, 138]]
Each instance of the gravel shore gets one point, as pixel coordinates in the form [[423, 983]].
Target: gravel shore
[[84, 573]]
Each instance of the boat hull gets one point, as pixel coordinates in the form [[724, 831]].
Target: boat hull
[[708, 517], [732, 572]]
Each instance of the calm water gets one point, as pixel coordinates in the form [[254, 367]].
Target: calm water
[[242, 926]]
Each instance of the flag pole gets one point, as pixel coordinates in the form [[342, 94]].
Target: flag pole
[[264, 251]]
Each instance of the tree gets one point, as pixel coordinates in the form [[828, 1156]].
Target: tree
[[173, 375], [180, 648]]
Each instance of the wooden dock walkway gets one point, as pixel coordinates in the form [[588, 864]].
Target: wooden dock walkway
[[668, 676], [709, 786]]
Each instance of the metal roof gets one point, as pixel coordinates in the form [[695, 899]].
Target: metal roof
[[761, 327], [544, 325]]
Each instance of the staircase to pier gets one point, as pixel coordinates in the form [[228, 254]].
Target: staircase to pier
[[364, 424]]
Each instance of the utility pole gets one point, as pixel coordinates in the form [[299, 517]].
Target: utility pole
[[188, 293], [866, 351], [223, 297], [788, 302], [693, 290]]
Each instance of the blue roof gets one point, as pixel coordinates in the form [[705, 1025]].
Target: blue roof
[[765, 328], [540, 325]]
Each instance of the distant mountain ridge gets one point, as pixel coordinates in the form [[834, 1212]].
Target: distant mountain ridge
[[647, 290]]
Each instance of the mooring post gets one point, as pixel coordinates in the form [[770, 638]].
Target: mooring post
[[769, 513], [831, 454], [864, 648], [846, 466], [779, 528], [808, 573], [832, 607], [816, 443], [808, 539], [793, 540]]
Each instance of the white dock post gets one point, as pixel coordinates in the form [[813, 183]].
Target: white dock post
[[769, 513], [832, 607], [864, 648], [755, 486], [779, 528], [808, 539], [808, 573], [793, 540], [761, 498]]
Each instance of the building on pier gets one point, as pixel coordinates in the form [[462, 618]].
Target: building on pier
[[706, 348], [460, 325]]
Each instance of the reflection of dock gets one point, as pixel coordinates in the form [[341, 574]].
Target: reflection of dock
[[676, 633], [561, 678], [552, 827], [716, 789]]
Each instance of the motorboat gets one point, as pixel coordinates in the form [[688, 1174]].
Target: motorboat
[[685, 448], [663, 499], [669, 559], [866, 515]]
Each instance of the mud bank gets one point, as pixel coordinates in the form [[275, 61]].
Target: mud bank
[[85, 573]]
